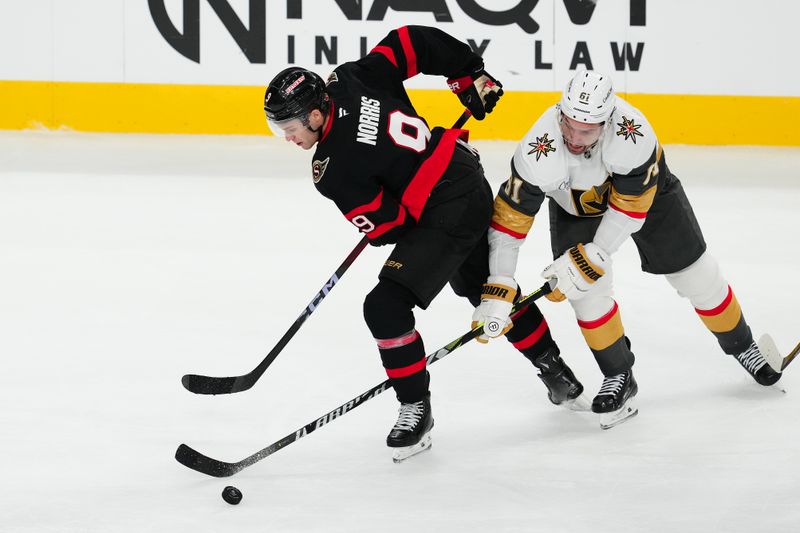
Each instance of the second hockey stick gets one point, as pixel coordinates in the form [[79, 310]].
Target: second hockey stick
[[195, 460], [227, 385], [199, 384]]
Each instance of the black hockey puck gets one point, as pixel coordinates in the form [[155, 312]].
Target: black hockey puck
[[232, 495]]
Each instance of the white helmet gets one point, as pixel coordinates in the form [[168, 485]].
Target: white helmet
[[588, 97]]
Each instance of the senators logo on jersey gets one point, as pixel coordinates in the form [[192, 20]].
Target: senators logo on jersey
[[542, 146], [318, 168]]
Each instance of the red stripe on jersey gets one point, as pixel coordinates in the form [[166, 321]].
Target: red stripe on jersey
[[386, 226], [329, 124], [408, 50], [594, 324], [533, 338], [397, 342], [429, 173], [632, 214], [372, 206], [387, 52], [406, 370], [718, 309], [507, 231]]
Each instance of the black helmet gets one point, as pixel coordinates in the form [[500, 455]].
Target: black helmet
[[294, 93]]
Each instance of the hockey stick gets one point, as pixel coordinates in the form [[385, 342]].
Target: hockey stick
[[790, 357], [195, 460], [462, 119], [213, 385]]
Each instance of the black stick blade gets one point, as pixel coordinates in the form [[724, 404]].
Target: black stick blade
[[195, 460], [211, 385]]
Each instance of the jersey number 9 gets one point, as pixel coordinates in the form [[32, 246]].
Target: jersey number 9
[[362, 223]]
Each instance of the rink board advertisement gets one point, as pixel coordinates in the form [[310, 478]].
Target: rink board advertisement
[[704, 72]]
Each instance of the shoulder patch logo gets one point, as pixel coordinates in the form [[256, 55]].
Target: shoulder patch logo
[[629, 129], [343, 112], [318, 168], [542, 146]]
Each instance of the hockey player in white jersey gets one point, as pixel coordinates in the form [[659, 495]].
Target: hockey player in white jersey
[[598, 160]]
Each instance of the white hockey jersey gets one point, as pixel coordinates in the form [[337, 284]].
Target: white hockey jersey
[[616, 178]]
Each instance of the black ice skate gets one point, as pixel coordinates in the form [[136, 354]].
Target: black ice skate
[[411, 433], [615, 401], [563, 388], [755, 363]]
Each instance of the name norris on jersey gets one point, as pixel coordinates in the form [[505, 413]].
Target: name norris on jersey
[[368, 119]]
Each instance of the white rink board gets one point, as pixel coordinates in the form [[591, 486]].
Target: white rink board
[[683, 46]]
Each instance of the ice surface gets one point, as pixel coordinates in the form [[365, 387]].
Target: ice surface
[[129, 260]]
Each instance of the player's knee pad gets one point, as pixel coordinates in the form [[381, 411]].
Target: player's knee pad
[[701, 282], [388, 310], [592, 307], [598, 301]]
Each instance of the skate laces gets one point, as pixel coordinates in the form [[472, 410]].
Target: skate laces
[[612, 385], [410, 415], [752, 359]]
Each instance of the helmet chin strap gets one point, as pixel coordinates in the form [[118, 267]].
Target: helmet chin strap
[[318, 131], [324, 109]]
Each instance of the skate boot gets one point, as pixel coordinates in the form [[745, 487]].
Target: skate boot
[[752, 361], [411, 433], [563, 388], [615, 400]]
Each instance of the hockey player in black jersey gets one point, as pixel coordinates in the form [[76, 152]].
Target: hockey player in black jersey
[[421, 189]]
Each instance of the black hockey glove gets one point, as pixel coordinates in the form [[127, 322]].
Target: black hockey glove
[[478, 91]]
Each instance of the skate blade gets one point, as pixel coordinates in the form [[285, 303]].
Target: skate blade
[[581, 403], [401, 454], [615, 418]]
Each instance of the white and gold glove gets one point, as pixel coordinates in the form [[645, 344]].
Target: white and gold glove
[[576, 271], [497, 299]]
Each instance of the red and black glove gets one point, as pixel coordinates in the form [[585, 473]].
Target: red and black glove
[[478, 91]]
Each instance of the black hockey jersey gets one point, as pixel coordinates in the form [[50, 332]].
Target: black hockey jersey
[[376, 158]]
